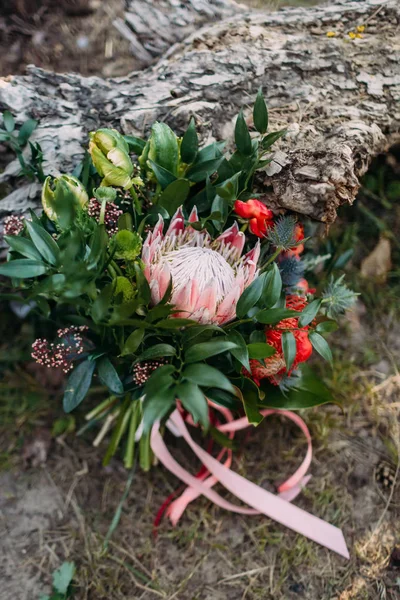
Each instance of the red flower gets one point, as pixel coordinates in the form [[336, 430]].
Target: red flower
[[298, 235], [304, 287], [260, 216], [275, 365]]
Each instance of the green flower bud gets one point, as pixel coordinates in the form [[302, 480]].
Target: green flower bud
[[55, 192], [127, 244], [110, 156], [125, 287], [105, 193]]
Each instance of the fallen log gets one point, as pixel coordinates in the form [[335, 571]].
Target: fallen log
[[330, 74]]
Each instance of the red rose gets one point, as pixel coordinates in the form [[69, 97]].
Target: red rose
[[260, 216]]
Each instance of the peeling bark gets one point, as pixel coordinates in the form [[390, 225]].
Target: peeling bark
[[339, 96]]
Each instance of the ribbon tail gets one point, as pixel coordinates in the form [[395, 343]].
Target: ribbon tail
[[263, 501]]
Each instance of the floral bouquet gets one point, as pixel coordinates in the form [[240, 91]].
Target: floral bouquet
[[168, 279]]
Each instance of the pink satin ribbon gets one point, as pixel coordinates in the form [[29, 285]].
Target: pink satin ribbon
[[261, 501]]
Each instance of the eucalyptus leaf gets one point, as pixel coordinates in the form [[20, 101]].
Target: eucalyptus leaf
[[109, 376], [207, 350], [206, 376], [23, 246], [309, 313], [78, 384], [133, 342], [44, 242], [23, 268], [321, 346], [157, 351], [250, 296], [260, 350], [288, 348], [194, 401]]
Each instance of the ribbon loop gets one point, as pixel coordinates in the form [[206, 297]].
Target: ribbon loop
[[277, 507]]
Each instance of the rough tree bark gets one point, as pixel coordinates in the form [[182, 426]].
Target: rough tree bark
[[338, 95]]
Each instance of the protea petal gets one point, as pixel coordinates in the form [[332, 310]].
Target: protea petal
[[208, 276], [193, 217], [177, 223]]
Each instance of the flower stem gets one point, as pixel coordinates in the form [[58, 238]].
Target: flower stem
[[136, 201], [102, 212], [271, 259]]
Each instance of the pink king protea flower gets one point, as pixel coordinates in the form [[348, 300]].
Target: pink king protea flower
[[208, 276]]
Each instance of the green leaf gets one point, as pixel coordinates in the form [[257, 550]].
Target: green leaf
[[159, 380], [26, 131], [156, 351], [4, 136], [133, 342], [8, 121], [78, 385], [309, 313], [125, 222], [260, 350], [327, 326], [43, 242], [102, 304], [241, 352], [144, 292], [250, 296], [136, 144], [175, 323], [109, 376], [156, 406], [174, 195], [257, 336], [207, 349], [321, 346], [62, 578], [207, 376], [23, 268], [23, 246], [271, 138], [289, 348], [272, 286], [221, 397], [164, 150], [190, 144], [307, 392], [98, 246], [229, 190], [201, 170], [163, 176], [194, 401], [249, 395], [242, 136], [274, 315], [260, 113]]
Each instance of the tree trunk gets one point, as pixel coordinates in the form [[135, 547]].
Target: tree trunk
[[338, 95]]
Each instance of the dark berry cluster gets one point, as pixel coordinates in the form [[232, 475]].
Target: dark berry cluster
[[111, 215], [13, 225], [61, 353], [142, 371]]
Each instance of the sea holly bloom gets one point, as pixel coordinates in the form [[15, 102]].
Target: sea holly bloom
[[208, 276], [275, 365], [13, 225], [260, 217]]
